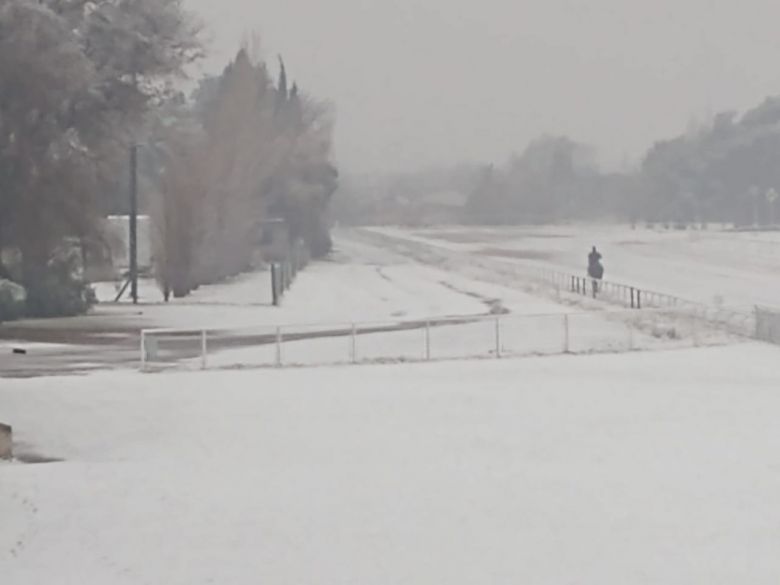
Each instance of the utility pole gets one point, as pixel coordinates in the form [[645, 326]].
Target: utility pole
[[134, 223]]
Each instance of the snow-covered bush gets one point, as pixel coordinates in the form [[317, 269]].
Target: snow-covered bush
[[12, 300]]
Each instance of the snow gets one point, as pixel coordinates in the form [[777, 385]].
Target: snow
[[652, 467], [638, 468], [709, 266], [363, 282]]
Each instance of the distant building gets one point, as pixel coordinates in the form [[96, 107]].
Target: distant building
[[433, 208]]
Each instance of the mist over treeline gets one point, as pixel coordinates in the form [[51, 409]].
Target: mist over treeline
[[724, 170], [85, 82]]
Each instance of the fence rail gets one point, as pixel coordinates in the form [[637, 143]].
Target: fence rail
[[495, 336]]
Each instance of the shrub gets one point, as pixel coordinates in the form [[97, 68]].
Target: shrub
[[59, 291], [12, 300]]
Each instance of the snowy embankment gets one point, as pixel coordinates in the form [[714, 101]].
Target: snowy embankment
[[708, 266], [641, 468]]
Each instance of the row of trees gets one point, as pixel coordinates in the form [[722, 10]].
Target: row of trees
[[81, 82], [416, 197], [727, 170], [244, 151], [723, 171], [554, 179], [77, 77]]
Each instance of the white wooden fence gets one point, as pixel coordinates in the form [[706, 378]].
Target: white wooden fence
[[495, 336]]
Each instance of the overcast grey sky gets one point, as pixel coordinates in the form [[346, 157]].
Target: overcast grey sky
[[420, 82]]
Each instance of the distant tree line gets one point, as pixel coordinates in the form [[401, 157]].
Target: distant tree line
[[555, 179], [81, 82], [726, 171], [430, 195]]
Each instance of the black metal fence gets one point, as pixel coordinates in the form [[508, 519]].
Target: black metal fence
[[283, 274]]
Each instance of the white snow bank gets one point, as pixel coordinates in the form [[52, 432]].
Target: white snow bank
[[642, 468]]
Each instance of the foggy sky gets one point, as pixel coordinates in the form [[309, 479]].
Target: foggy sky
[[422, 82]]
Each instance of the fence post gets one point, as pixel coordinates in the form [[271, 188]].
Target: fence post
[[354, 344], [278, 347], [638, 299], [566, 338], [427, 341], [203, 349], [757, 317], [632, 297], [275, 284], [143, 351], [498, 337]]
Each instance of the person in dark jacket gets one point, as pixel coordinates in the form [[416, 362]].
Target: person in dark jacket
[[595, 268]]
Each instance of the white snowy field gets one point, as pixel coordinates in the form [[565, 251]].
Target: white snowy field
[[363, 282], [639, 468], [710, 266]]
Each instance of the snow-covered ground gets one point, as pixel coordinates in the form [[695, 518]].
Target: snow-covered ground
[[639, 468], [711, 266], [657, 467], [374, 282], [362, 282]]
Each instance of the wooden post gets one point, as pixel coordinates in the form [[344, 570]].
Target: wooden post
[[427, 341], [278, 347], [6, 442], [353, 344], [276, 285], [134, 223], [204, 350], [498, 337]]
